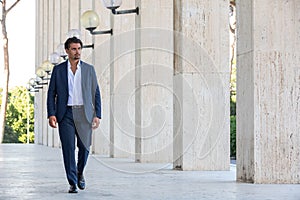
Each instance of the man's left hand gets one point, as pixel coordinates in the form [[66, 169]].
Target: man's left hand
[[96, 123]]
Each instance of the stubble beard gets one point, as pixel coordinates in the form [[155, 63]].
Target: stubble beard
[[77, 57]]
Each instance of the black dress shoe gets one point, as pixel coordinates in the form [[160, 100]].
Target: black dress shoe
[[73, 189], [80, 182]]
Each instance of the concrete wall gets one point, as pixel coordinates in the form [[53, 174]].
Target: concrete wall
[[135, 68], [268, 136], [165, 94]]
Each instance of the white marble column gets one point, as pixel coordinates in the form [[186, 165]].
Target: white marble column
[[154, 81], [123, 90], [56, 42], [201, 85], [38, 52], [268, 80], [50, 47], [101, 61], [44, 56]]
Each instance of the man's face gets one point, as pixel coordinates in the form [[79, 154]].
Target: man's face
[[74, 51]]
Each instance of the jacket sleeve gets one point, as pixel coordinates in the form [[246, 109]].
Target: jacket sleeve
[[97, 95], [51, 96], [98, 102]]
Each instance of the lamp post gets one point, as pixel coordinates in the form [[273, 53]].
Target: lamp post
[[61, 51], [28, 87], [47, 67], [54, 58], [33, 84], [113, 5], [28, 110], [40, 73], [76, 33], [40, 76], [90, 21]]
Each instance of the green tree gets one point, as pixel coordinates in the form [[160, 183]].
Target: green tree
[[233, 136], [6, 8], [20, 104], [10, 136]]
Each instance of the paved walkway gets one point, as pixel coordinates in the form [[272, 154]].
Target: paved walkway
[[36, 172]]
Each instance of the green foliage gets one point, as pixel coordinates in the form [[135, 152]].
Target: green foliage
[[9, 135], [233, 113], [232, 107], [233, 82], [20, 103], [1, 90], [23, 138], [233, 71], [233, 136]]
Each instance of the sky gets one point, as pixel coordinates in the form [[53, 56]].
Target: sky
[[20, 25]]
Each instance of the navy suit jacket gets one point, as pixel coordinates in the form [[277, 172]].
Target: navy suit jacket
[[58, 92]]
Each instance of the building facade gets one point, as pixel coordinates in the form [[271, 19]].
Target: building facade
[[164, 77]]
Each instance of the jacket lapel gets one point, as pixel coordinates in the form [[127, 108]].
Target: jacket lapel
[[83, 72], [83, 78], [83, 75]]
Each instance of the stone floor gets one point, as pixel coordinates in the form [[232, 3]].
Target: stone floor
[[36, 172]]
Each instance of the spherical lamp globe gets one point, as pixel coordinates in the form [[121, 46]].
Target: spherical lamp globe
[[40, 72], [47, 66], [89, 20], [54, 58], [112, 4], [74, 33]]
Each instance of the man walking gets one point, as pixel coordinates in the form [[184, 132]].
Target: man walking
[[74, 103]]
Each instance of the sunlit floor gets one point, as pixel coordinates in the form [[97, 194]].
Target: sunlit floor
[[36, 172]]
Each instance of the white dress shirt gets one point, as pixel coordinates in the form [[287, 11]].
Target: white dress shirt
[[74, 83]]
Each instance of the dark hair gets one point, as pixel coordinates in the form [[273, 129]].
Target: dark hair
[[72, 40]]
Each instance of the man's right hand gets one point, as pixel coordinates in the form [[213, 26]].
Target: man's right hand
[[52, 121]]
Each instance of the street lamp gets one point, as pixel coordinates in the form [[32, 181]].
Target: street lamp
[[47, 67], [74, 33], [90, 21], [39, 81], [61, 51], [30, 88], [77, 33], [40, 72], [54, 58], [40, 76], [28, 116], [115, 4], [33, 84]]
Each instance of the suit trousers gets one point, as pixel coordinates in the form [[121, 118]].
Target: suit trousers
[[67, 134]]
